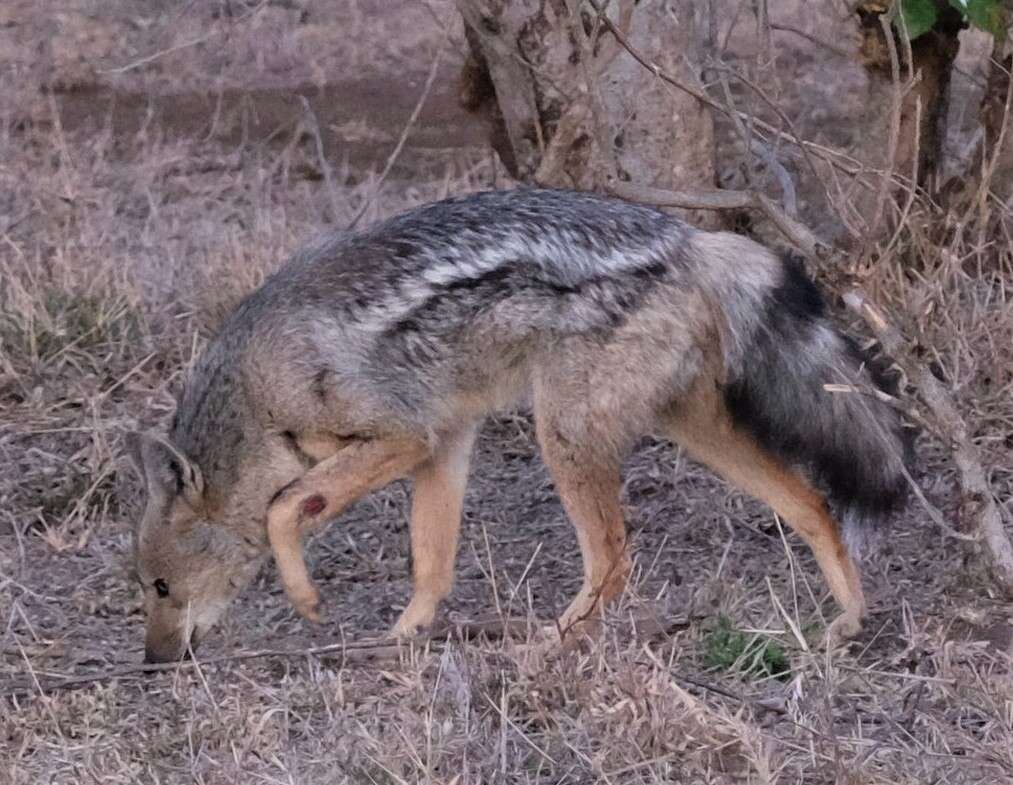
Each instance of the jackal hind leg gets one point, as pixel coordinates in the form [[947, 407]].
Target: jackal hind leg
[[357, 468], [437, 501], [588, 480], [708, 434]]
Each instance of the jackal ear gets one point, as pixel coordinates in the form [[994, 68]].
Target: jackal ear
[[166, 471]]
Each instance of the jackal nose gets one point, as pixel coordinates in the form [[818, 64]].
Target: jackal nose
[[159, 649], [157, 656], [154, 656]]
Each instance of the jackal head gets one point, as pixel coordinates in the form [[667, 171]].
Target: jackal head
[[189, 565]]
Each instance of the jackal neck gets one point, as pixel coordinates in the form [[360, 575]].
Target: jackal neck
[[212, 425]]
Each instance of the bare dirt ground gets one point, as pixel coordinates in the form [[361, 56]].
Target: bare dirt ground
[[140, 197]]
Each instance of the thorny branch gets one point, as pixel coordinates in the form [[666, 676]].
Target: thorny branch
[[979, 512]]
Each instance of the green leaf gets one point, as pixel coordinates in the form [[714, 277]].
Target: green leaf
[[986, 14], [918, 16]]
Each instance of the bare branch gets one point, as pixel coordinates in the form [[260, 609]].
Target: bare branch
[[568, 130], [184, 45], [718, 199], [837, 50], [834, 158], [788, 194], [313, 126]]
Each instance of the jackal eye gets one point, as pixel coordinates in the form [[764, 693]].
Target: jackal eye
[[161, 587]]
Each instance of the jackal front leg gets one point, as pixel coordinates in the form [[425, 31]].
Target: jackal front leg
[[437, 500], [321, 494]]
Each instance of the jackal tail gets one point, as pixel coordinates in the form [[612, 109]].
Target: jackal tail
[[806, 394]]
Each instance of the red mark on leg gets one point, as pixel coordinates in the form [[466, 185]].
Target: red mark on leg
[[314, 505]]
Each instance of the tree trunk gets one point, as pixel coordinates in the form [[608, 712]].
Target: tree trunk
[[997, 116], [569, 108], [910, 126]]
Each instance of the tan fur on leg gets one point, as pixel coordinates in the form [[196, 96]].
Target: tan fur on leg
[[321, 494], [437, 500]]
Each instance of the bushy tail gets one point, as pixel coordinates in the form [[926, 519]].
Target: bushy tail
[[852, 444]]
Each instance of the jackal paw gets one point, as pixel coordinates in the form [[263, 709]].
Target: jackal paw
[[576, 625], [842, 629], [552, 639], [545, 644], [415, 620], [307, 604]]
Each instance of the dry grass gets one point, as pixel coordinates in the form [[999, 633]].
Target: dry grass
[[121, 247]]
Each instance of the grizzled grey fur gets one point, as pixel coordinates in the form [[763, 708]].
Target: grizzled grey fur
[[390, 308]]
